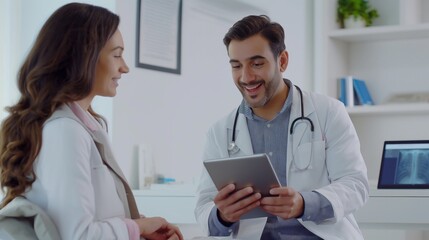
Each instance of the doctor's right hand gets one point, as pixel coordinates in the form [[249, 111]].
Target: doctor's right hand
[[232, 204]]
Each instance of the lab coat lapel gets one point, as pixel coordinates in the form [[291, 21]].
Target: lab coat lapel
[[100, 139], [102, 142]]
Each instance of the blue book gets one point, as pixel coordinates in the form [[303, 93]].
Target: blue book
[[347, 93], [362, 92], [342, 92]]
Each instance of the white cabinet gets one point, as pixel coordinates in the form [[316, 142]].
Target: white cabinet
[[392, 56], [395, 215], [176, 203]]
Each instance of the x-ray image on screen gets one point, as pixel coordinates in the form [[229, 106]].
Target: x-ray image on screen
[[413, 167]]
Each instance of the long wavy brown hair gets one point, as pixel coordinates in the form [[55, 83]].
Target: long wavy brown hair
[[60, 68]]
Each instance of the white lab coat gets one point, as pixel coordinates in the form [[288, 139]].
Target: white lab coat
[[82, 196], [337, 169]]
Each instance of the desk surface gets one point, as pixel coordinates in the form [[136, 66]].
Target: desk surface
[[399, 207]]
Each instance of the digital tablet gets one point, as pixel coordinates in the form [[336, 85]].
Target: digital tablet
[[254, 170]]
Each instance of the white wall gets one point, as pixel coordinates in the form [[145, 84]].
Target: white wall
[[171, 113], [9, 51]]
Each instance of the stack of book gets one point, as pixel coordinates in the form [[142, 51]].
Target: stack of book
[[354, 92]]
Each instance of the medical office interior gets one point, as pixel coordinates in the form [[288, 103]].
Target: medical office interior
[[158, 119]]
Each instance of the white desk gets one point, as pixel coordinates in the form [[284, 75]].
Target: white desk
[[402, 214], [409, 208], [395, 214]]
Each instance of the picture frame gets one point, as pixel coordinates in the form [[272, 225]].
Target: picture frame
[[159, 30]]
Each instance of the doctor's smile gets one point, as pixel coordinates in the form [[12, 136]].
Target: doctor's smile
[[252, 88]]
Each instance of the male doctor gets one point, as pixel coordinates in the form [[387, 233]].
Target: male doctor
[[317, 158]]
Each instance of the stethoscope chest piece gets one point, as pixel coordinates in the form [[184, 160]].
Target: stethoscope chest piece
[[233, 148]]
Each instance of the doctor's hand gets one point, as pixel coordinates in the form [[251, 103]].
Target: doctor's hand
[[232, 204], [158, 228], [287, 203]]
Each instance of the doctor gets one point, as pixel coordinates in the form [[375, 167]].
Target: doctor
[[310, 139]]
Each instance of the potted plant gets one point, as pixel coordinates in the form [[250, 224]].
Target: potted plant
[[355, 10]]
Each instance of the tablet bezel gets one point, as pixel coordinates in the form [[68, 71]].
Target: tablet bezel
[[253, 170]]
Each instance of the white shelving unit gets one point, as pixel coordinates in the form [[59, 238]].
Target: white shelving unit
[[392, 57]]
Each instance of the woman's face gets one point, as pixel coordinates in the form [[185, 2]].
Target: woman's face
[[110, 67]]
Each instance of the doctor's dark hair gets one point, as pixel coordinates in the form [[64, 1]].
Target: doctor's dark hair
[[60, 68], [252, 25]]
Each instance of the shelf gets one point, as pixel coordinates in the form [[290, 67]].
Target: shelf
[[378, 33], [385, 109]]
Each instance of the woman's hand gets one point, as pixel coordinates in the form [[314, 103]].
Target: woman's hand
[[158, 228]]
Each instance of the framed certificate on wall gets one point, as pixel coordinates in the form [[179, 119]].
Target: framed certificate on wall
[[159, 29]]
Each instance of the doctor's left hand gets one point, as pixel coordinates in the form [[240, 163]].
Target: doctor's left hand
[[286, 203]]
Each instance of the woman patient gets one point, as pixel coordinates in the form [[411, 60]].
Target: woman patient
[[54, 149]]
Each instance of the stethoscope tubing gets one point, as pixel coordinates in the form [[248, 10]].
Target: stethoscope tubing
[[233, 148], [302, 114]]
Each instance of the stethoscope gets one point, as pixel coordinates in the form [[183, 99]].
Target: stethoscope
[[233, 148]]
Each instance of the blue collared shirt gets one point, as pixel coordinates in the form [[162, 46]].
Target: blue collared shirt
[[271, 137]]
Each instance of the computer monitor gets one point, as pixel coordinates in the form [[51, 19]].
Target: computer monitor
[[404, 165]]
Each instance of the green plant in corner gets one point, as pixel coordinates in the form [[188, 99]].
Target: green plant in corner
[[355, 9]]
